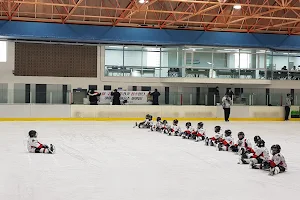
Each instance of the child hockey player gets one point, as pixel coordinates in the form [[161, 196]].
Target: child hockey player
[[157, 126], [277, 164], [214, 140], [175, 129], [147, 123], [256, 139], [200, 134], [260, 155], [34, 146], [226, 142], [165, 127], [187, 134], [243, 145]]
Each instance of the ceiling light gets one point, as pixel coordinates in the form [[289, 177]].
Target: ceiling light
[[237, 7], [143, 1]]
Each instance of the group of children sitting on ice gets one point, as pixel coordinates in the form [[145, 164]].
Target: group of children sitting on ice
[[257, 156]]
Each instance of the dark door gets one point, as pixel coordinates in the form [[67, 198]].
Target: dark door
[[40, 93], [211, 96]]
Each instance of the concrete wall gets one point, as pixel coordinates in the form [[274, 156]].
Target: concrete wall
[[106, 112]]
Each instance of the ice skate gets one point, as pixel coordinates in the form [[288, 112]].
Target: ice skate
[[219, 147], [274, 171], [206, 141], [51, 149]]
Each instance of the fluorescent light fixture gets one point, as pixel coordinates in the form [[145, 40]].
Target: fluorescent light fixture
[[290, 53], [152, 49], [237, 7], [209, 63], [143, 1], [117, 47]]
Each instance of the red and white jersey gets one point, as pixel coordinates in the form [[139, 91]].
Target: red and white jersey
[[218, 136], [228, 140], [165, 126], [175, 128], [189, 130], [201, 132], [32, 144], [278, 160], [261, 152], [244, 143], [158, 124]]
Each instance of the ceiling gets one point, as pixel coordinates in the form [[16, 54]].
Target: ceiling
[[255, 16]]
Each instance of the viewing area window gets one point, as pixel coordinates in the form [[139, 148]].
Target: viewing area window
[[3, 51], [201, 62]]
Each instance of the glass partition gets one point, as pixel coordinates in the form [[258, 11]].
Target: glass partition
[[201, 62]]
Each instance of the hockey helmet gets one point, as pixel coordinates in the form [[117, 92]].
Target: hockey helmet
[[165, 122], [241, 135], [275, 149], [257, 139], [261, 143], [188, 124], [228, 132], [175, 121], [32, 133], [148, 116], [200, 125], [158, 119], [217, 129]]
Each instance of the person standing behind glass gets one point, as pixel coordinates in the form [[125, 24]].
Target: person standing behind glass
[[226, 103], [287, 107], [116, 97], [93, 97], [217, 96]]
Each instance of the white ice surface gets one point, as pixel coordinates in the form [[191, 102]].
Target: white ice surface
[[113, 161]]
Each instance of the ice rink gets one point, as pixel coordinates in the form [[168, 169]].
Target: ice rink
[[113, 161]]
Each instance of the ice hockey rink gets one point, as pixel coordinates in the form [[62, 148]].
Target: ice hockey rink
[[114, 161]]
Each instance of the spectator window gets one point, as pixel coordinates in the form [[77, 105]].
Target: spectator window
[[146, 88], [93, 87], [107, 87], [3, 51]]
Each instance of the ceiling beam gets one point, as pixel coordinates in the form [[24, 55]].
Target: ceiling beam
[[122, 15], [72, 11], [185, 1], [200, 11], [171, 14], [138, 9], [4, 9], [256, 15]]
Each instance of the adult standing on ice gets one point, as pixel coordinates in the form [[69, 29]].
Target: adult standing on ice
[[226, 103], [287, 107]]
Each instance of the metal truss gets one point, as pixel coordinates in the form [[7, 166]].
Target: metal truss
[[255, 16]]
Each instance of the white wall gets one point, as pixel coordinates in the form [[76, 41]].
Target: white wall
[[102, 112]]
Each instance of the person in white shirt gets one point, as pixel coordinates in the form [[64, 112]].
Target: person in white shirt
[[226, 103]]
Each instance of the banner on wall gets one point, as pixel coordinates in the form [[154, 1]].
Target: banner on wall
[[132, 97]]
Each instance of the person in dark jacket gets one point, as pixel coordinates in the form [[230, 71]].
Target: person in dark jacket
[[155, 96], [93, 97], [116, 97]]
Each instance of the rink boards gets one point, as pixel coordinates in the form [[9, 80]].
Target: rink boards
[[40, 112]]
